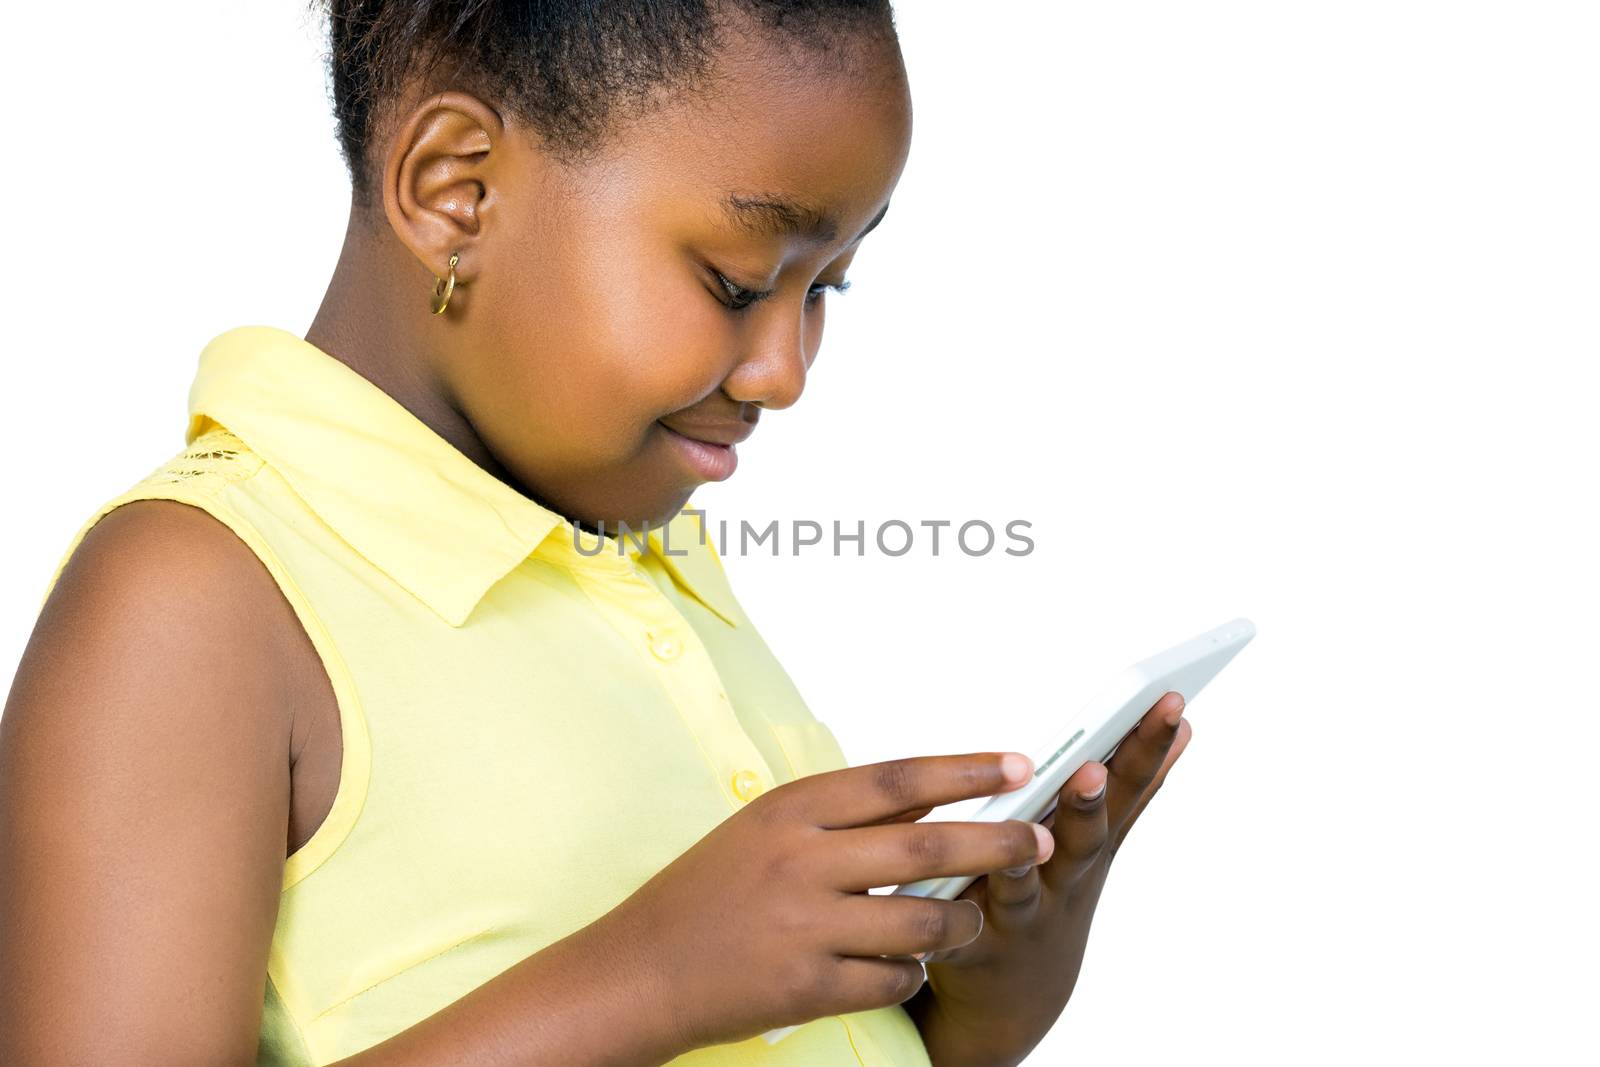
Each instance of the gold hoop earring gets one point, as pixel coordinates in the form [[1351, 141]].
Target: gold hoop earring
[[444, 287]]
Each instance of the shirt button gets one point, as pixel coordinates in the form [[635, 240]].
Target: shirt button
[[665, 648], [747, 784]]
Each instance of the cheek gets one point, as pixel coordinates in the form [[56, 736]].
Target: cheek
[[660, 343], [595, 345]]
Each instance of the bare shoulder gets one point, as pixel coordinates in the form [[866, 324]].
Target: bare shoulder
[[160, 589], [144, 788]]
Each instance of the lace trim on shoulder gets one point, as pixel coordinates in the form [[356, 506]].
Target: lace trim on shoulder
[[215, 453]]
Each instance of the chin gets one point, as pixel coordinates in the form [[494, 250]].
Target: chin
[[669, 512], [641, 514]]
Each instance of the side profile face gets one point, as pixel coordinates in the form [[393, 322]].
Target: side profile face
[[610, 309]]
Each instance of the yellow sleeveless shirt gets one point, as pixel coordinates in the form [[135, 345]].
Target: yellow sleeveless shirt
[[530, 731]]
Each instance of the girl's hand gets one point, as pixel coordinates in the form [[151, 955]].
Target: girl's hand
[[992, 1000], [766, 921]]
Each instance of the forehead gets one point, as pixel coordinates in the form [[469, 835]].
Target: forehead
[[776, 148]]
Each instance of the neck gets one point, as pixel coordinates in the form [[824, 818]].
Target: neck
[[375, 319]]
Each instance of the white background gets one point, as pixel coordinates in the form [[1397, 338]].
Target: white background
[[1265, 309]]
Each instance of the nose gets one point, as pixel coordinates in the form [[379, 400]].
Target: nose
[[773, 375]]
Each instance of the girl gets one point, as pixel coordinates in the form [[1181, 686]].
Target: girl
[[361, 731]]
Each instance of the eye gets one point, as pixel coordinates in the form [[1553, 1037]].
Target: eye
[[741, 297], [815, 292]]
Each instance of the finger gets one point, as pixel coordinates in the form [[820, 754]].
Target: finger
[[865, 857], [908, 816], [1181, 742], [884, 924], [1081, 828], [976, 894], [860, 796], [871, 981], [1014, 894], [1138, 759]]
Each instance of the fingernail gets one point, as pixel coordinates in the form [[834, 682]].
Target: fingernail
[[920, 955], [1172, 717], [1016, 767], [1017, 872], [1090, 798], [1047, 842]]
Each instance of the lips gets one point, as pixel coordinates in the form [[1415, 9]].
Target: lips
[[721, 432], [705, 448]]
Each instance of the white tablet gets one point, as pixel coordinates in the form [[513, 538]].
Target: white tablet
[[1094, 734], [1098, 729]]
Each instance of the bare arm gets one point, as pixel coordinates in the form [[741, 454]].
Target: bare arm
[[144, 792], [144, 801], [584, 1000]]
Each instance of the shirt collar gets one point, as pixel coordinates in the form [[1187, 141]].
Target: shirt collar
[[402, 496]]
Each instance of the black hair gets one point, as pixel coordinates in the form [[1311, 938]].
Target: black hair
[[567, 68]]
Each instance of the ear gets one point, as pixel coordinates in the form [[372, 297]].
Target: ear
[[440, 176]]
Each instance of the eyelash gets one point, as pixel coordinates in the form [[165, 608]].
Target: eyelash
[[752, 296]]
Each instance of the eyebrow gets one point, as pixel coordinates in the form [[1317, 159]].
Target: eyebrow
[[774, 215]]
